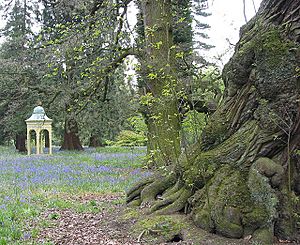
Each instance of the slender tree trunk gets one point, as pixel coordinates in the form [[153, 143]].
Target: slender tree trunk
[[243, 176], [161, 85], [20, 142]]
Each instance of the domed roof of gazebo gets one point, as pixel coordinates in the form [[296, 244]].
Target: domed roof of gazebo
[[38, 115]]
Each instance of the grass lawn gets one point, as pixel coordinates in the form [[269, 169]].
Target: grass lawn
[[30, 185]]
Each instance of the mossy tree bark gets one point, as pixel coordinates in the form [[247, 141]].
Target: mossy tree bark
[[161, 85], [243, 176]]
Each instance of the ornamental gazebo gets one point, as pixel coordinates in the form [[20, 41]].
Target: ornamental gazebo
[[39, 123]]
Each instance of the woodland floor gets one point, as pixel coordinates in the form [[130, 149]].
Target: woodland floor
[[109, 226], [79, 198], [113, 226], [67, 226]]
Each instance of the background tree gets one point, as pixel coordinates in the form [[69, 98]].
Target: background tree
[[241, 178], [17, 70], [70, 59], [108, 112], [85, 53]]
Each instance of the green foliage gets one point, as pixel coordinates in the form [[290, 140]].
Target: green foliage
[[130, 138], [209, 87], [134, 137], [18, 69], [192, 126], [108, 117], [20, 17], [119, 149], [138, 124]]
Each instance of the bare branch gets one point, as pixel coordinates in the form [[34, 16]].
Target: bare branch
[[254, 6], [244, 10]]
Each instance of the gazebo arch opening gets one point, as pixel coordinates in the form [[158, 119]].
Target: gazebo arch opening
[[45, 141], [32, 139]]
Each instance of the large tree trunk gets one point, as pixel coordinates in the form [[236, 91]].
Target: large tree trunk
[[71, 138], [243, 177], [20, 142], [161, 85]]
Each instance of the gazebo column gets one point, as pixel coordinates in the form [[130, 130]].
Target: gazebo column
[[50, 141], [38, 141], [28, 142], [41, 142]]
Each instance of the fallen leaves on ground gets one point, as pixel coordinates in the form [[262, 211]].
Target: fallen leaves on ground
[[67, 226]]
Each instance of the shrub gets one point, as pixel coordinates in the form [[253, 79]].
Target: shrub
[[130, 138]]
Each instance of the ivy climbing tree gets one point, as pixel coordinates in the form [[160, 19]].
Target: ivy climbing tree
[[174, 64]]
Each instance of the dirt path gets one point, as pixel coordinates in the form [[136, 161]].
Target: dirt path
[[68, 227]]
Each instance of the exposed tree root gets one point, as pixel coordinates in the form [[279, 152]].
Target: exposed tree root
[[166, 201], [175, 188], [135, 194], [136, 190], [150, 192], [135, 203], [178, 204]]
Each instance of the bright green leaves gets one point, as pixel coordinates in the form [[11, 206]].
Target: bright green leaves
[[96, 33], [179, 55], [158, 45], [297, 70], [181, 20], [166, 91], [192, 126], [150, 30], [152, 76], [137, 122], [147, 99]]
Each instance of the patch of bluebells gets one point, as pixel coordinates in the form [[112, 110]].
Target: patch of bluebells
[[117, 156], [23, 178]]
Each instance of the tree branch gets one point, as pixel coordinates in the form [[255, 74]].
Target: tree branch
[[244, 10], [97, 5], [54, 98], [104, 75]]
